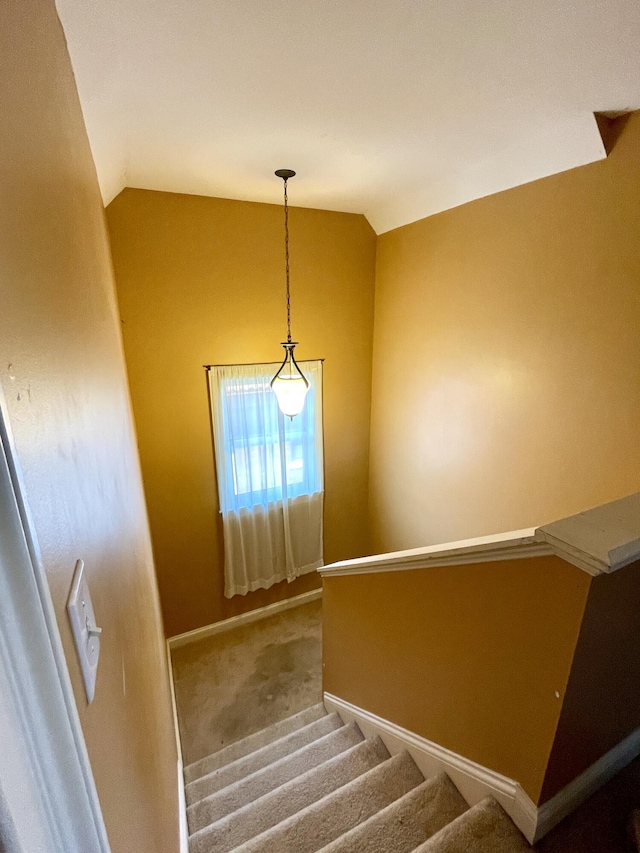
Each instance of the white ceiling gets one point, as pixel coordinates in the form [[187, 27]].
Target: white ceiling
[[392, 108]]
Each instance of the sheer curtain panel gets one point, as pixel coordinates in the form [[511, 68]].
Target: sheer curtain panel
[[270, 476]]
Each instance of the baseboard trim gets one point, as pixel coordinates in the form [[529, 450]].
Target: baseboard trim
[[472, 780], [182, 801], [594, 777], [243, 619], [476, 782]]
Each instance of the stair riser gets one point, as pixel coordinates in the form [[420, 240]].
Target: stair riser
[[407, 822], [248, 764], [321, 788], [259, 816], [224, 802], [252, 743], [485, 828], [340, 811]]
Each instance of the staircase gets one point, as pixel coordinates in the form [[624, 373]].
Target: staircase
[[311, 784]]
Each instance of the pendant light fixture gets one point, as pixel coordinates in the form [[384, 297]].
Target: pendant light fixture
[[289, 384]]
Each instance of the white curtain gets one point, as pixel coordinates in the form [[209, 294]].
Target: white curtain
[[270, 476]]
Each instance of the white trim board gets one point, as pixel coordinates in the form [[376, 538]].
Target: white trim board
[[476, 782], [47, 787], [516, 544], [243, 619], [583, 786], [472, 780], [598, 541], [182, 801]]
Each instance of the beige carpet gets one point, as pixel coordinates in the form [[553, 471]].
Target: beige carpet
[[236, 683], [337, 793]]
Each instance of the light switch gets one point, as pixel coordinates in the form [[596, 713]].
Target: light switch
[[85, 631]]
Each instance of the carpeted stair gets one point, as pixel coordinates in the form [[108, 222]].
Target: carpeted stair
[[311, 784]]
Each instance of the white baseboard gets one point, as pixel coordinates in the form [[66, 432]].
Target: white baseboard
[[594, 777], [476, 782], [243, 619], [472, 780], [182, 802]]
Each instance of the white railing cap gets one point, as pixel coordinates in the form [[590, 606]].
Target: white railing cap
[[599, 540]]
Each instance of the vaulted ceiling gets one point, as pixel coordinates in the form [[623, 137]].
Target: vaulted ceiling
[[392, 108]]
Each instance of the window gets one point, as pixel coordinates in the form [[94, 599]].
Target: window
[[270, 475], [265, 456]]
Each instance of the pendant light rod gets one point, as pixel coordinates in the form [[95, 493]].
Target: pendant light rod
[[285, 174], [290, 385]]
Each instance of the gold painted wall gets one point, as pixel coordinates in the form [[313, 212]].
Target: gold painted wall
[[201, 281], [506, 378], [470, 657], [63, 376]]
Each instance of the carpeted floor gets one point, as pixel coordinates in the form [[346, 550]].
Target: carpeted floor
[[238, 682]]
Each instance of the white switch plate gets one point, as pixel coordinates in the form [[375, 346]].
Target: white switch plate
[[85, 631]]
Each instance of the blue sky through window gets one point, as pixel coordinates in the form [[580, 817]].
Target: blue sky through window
[[268, 456]]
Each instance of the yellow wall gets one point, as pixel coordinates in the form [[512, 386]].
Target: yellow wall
[[506, 378], [470, 657], [201, 281], [63, 377]]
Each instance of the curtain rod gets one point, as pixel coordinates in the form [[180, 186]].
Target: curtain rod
[[253, 363]]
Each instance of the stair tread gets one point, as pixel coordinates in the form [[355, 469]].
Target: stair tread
[[245, 790], [484, 828], [248, 764], [321, 822], [252, 742], [406, 822], [260, 815]]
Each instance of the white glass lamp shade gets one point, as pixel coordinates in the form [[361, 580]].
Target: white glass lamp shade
[[290, 393], [290, 385]]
